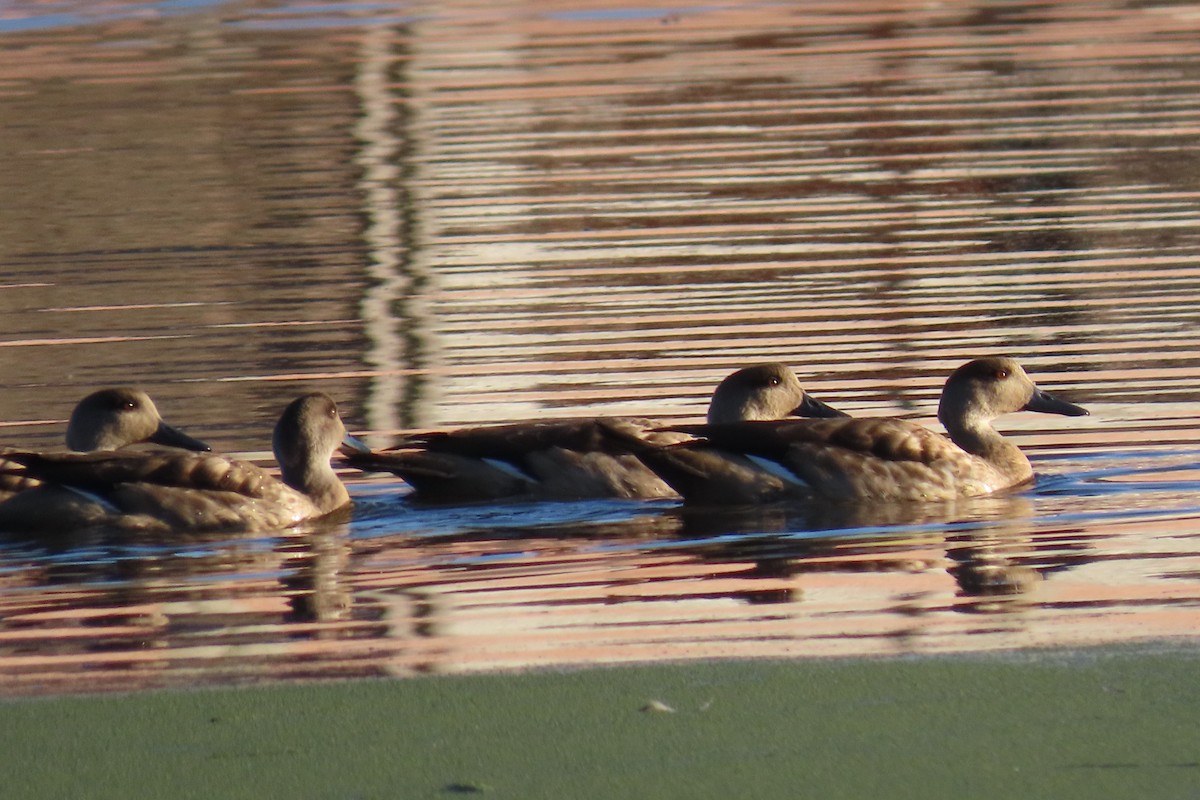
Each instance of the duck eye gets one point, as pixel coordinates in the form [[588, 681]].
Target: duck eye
[[1001, 374], [773, 380], [130, 405]]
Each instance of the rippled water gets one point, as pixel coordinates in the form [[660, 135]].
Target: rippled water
[[465, 213]]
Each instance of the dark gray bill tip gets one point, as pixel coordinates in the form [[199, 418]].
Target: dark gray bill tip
[[812, 407], [170, 436], [1049, 404]]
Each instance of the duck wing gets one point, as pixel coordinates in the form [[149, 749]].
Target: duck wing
[[101, 472], [877, 437], [844, 459], [555, 459], [514, 442], [180, 492]]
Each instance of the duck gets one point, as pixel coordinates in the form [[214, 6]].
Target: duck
[[867, 459], [574, 459], [190, 492], [110, 419]]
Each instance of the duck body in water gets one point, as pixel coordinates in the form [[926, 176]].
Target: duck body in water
[[186, 492], [864, 459], [574, 459], [106, 420]]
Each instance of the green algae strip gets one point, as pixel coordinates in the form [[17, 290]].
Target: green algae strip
[[1091, 725]]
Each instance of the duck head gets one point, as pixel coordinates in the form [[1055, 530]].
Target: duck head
[[986, 388], [308, 433], [764, 391], [113, 418]]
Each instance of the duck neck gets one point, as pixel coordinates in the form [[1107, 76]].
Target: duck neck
[[317, 480], [976, 436]]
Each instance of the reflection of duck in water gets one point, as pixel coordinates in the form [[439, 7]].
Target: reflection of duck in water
[[868, 459], [846, 520], [109, 419], [579, 458], [1010, 559], [786, 539], [985, 570], [315, 582], [187, 492]]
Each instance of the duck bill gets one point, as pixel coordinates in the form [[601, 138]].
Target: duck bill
[[352, 445], [170, 436], [812, 407], [1049, 404]]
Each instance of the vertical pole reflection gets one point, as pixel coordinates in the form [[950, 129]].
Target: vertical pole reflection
[[395, 319]]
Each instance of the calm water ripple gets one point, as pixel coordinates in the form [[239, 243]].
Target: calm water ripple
[[486, 213]]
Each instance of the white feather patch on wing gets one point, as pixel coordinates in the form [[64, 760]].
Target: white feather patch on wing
[[778, 470], [511, 469], [103, 502]]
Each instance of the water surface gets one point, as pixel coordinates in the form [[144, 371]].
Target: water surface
[[461, 214]]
